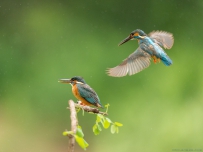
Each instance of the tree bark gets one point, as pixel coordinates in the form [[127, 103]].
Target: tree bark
[[74, 123]]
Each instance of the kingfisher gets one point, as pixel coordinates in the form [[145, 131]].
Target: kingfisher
[[83, 92], [150, 46]]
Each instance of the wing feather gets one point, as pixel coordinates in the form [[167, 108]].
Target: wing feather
[[135, 63], [162, 38], [89, 94]]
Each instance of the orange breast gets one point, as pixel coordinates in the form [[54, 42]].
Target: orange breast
[[77, 95]]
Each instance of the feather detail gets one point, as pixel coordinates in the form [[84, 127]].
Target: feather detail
[[162, 38], [135, 63]]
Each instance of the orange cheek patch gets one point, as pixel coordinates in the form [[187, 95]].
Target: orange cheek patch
[[136, 34]]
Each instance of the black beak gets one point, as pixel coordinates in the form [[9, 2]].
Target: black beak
[[125, 40], [64, 80]]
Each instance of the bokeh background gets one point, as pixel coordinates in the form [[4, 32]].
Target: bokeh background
[[161, 107]]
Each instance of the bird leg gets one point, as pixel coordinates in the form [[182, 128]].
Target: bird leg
[[155, 59]]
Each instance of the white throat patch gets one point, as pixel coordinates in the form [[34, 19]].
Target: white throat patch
[[79, 82]]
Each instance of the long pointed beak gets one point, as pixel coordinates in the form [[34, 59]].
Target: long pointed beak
[[64, 80], [125, 40]]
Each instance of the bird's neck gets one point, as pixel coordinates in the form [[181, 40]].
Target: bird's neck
[[145, 39]]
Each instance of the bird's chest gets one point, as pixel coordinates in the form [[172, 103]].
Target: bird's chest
[[75, 91]]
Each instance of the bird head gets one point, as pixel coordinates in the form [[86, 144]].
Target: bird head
[[73, 80], [137, 34]]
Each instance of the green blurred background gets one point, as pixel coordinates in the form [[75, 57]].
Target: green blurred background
[[42, 41]]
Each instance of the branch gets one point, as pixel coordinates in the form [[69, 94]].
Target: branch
[[90, 109], [74, 123]]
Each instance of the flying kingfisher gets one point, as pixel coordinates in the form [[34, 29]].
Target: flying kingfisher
[[150, 46], [83, 92]]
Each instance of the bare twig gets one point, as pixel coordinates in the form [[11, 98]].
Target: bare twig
[[74, 123], [90, 109]]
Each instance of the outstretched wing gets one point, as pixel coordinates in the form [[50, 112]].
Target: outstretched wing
[[89, 94], [162, 38], [135, 63]]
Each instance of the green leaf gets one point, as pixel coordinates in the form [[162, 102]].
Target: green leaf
[[113, 128], [109, 120], [100, 116], [99, 127], [106, 124], [81, 142], [86, 144], [79, 131], [77, 109], [96, 130], [118, 124], [66, 133], [102, 122], [107, 105], [98, 119]]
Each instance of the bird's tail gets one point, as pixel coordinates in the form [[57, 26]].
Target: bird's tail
[[166, 60]]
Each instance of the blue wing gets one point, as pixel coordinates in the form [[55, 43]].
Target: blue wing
[[89, 94]]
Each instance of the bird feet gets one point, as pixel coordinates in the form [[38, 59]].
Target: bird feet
[[155, 59], [81, 103]]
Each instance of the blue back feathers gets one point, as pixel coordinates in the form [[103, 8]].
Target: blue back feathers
[[166, 60]]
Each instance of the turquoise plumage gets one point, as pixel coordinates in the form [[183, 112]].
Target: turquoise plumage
[[88, 94], [150, 46], [83, 92]]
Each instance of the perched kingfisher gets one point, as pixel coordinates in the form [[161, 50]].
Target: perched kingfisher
[[149, 47], [83, 92]]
